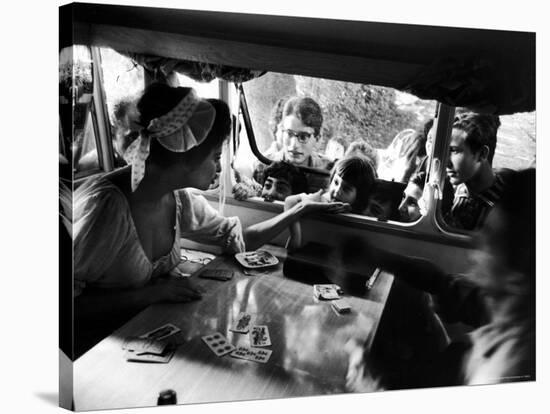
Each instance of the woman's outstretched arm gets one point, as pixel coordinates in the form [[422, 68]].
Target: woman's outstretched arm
[[258, 234]]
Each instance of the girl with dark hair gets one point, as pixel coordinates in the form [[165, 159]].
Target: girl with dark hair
[[128, 223], [351, 181]]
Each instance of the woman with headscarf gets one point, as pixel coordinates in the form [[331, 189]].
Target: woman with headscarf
[[127, 224]]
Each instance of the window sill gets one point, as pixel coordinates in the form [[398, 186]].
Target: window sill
[[424, 229]]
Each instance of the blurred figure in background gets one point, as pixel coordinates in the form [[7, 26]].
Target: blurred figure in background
[[497, 299], [336, 148], [362, 147]]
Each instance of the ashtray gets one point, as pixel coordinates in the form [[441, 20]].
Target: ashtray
[[256, 259]]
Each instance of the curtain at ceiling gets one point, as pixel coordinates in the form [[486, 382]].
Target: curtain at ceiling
[[161, 68]]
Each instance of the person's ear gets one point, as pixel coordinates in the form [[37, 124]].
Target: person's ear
[[483, 154]]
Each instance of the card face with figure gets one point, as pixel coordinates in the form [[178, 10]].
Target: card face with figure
[[160, 333], [218, 344], [259, 336], [242, 323]]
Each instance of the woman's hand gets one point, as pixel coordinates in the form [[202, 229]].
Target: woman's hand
[[315, 203], [174, 290]]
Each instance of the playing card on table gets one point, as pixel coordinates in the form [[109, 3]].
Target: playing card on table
[[327, 291], [259, 336], [218, 344], [160, 333], [242, 323], [251, 354], [163, 358], [144, 345]]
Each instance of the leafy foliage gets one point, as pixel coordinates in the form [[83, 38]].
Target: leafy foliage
[[354, 111]]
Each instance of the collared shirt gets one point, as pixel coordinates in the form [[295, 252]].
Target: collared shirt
[[469, 211]]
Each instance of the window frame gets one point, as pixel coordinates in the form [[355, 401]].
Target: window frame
[[430, 227]]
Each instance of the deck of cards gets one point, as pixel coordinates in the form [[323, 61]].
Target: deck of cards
[[341, 306], [217, 274], [327, 292]]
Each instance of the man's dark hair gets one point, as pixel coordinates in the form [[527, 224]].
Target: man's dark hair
[[282, 169], [480, 129], [306, 110]]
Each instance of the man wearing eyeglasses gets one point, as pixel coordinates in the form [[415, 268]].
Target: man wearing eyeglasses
[[299, 129], [301, 126]]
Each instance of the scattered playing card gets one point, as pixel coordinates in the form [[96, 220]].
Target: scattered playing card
[[327, 292], [242, 323], [259, 336], [163, 358], [341, 306], [144, 345], [262, 355], [160, 333], [217, 274], [251, 354], [218, 344]]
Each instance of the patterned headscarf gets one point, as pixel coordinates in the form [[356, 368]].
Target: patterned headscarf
[[182, 128]]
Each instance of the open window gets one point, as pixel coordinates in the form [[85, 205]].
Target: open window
[[255, 61], [356, 119]]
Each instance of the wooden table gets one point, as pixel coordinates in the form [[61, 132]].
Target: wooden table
[[309, 339]]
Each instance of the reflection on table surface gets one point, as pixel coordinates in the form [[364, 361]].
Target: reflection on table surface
[[308, 343]]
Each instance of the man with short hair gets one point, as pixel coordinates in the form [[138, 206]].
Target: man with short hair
[[469, 169], [300, 126]]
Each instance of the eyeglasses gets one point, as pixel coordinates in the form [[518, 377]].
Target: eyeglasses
[[301, 136]]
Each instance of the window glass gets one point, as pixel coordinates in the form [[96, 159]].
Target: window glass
[[76, 110], [123, 81], [380, 124], [483, 151]]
